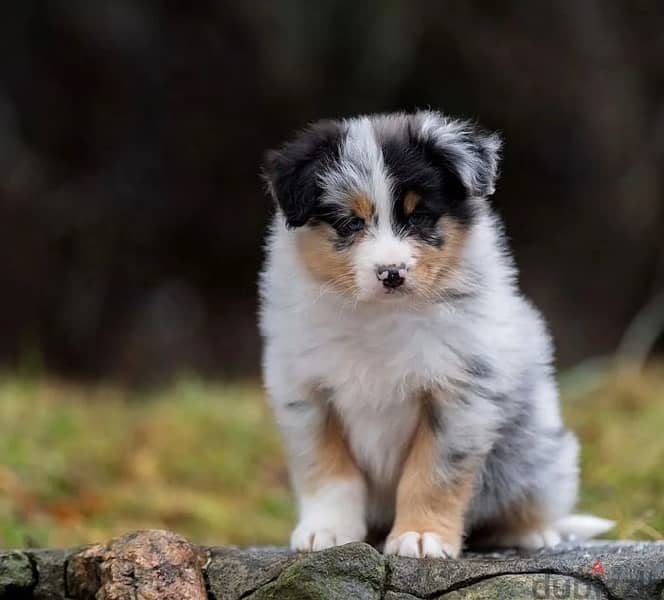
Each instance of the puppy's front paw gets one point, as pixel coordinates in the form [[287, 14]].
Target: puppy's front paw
[[420, 545], [311, 536], [534, 540]]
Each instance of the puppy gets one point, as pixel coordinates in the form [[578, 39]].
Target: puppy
[[410, 378]]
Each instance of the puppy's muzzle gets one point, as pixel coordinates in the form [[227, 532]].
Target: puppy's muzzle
[[392, 276]]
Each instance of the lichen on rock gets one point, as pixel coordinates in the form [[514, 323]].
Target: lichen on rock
[[354, 571], [16, 575]]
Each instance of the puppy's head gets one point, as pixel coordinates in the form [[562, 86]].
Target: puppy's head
[[380, 206]]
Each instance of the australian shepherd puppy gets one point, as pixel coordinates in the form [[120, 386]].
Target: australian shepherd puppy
[[411, 379]]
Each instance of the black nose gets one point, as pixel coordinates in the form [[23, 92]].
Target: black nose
[[390, 276]]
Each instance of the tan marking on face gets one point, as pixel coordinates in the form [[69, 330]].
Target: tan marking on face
[[333, 459], [410, 202], [436, 266], [362, 206], [425, 504], [326, 263]]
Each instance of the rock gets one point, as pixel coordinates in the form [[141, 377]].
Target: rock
[[49, 565], [160, 565], [150, 565], [235, 573], [17, 578], [354, 571], [527, 587], [630, 571]]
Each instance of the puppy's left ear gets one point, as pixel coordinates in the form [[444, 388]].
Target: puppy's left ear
[[293, 173], [472, 153]]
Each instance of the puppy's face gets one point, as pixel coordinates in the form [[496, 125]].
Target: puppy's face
[[379, 206]]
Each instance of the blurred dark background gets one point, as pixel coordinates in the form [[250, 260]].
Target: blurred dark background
[[131, 136]]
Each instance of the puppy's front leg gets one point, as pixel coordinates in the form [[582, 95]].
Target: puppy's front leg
[[431, 499], [331, 491]]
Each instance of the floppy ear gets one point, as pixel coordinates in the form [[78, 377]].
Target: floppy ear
[[470, 152], [293, 171]]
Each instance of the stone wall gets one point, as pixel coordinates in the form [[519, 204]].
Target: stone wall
[[153, 565]]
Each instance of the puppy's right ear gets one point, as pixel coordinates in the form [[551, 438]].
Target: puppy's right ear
[[293, 173]]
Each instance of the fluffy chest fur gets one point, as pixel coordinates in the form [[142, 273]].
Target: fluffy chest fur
[[375, 366]]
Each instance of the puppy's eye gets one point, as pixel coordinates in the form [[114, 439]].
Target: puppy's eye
[[421, 219], [350, 226]]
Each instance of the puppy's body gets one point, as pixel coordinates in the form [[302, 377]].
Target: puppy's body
[[411, 379]]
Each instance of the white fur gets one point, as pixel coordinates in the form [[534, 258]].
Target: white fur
[[567, 529], [332, 516], [420, 545], [582, 527]]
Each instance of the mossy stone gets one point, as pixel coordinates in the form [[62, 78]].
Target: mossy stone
[[352, 571], [16, 575]]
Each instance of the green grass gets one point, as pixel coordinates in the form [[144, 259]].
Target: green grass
[[80, 464], [620, 422]]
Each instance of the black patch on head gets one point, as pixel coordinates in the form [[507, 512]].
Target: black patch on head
[[293, 171], [429, 166], [418, 166]]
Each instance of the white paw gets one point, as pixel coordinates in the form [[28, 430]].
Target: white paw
[[534, 540], [420, 545], [307, 537]]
